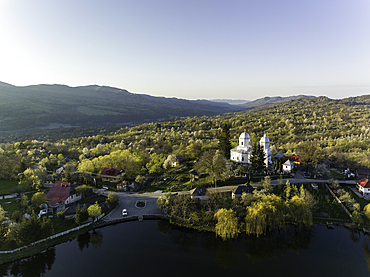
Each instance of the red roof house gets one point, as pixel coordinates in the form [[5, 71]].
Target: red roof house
[[295, 159], [363, 185], [114, 175], [62, 193]]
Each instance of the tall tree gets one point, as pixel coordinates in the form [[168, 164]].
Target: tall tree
[[94, 211], [224, 143], [258, 158], [216, 164]]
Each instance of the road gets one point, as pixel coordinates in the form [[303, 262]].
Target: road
[[128, 202]]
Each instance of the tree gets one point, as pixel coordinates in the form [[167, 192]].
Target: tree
[[299, 212], [164, 201], [310, 152], [2, 215], [367, 211], [112, 199], [33, 229], [24, 201], [169, 161], [82, 214], [140, 179], [38, 198], [30, 179], [224, 144], [258, 158], [227, 226], [84, 190], [94, 211], [215, 163], [155, 163]]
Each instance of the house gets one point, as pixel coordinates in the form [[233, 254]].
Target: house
[[288, 166], [314, 186], [199, 193], [127, 186], [61, 194], [363, 185], [242, 153], [178, 160], [193, 175], [247, 188], [295, 159], [112, 175]]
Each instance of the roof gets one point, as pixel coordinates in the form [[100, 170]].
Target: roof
[[179, 158], [244, 135], [60, 191], [198, 191], [193, 172], [288, 162], [279, 155], [244, 150], [365, 183], [111, 171], [264, 139], [244, 188], [295, 158]]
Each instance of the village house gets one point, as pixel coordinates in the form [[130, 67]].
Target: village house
[[61, 194], [199, 193], [112, 175], [288, 166], [363, 185], [247, 188]]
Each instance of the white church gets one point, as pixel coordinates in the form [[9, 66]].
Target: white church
[[242, 153]]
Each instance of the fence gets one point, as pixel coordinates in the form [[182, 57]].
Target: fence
[[340, 202], [45, 239]]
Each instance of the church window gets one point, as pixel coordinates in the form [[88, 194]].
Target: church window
[[242, 143]]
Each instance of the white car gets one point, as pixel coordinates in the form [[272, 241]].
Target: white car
[[124, 212]]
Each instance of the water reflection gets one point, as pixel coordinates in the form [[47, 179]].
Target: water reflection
[[34, 266], [276, 243], [366, 250], [95, 238], [256, 249]]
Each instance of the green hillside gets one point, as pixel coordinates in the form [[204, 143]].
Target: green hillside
[[50, 106]]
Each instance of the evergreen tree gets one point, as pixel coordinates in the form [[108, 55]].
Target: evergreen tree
[[258, 158], [224, 143]]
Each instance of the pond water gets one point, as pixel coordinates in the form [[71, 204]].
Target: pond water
[[157, 248]]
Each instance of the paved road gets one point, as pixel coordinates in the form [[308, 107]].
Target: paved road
[[128, 202]]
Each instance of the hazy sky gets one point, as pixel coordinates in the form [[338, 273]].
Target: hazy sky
[[244, 49]]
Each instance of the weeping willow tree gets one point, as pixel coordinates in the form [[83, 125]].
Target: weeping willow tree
[[273, 212], [299, 212], [227, 226]]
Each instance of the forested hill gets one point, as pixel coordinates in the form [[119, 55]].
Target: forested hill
[[269, 101], [51, 106]]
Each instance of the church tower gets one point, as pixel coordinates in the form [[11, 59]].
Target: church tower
[[244, 140], [265, 143]]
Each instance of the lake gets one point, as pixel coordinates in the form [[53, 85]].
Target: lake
[[157, 248]]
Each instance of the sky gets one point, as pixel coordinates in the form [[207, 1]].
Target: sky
[[189, 49]]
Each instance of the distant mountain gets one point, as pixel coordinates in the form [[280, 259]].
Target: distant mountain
[[230, 101], [54, 106], [269, 101]]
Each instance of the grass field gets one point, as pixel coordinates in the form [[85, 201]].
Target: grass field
[[6, 186]]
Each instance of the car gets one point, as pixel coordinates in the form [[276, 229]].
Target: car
[[124, 212]]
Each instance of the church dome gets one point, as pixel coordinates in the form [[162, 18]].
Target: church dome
[[264, 139], [244, 135]]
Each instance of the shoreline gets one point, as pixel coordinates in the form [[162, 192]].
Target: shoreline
[[38, 248]]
